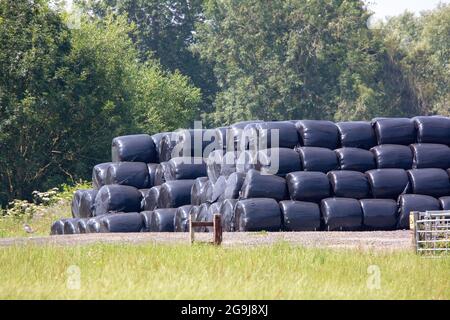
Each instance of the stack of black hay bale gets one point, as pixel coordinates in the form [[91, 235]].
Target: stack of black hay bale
[[276, 176]]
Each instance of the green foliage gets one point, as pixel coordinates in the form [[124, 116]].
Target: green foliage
[[420, 47], [65, 93]]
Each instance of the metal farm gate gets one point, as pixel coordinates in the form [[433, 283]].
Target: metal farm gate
[[431, 232]]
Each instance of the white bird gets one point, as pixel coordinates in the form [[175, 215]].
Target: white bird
[[28, 228]]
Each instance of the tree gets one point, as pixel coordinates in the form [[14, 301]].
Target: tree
[[164, 31], [65, 93], [293, 59]]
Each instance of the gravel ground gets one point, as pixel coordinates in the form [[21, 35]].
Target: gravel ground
[[378, 240]]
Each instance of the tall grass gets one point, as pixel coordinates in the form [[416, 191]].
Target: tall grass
[[280, 271]]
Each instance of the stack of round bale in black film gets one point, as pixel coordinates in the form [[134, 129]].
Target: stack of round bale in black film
[[302, 175]]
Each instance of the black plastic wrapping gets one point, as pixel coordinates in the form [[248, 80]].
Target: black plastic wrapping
[[278, 161], [194, 210], [444, 202], [57, 227], [133, 174], [145, 194], [150, 200], [75, 205], [388, 183], [117, 198], [261, 214], [160, 172], [237, 130], [356, 134], [195, 143], [167, 145], [430, 155], [152, 169], [202, 214], [208, 192], [146, 220], [123, 222], [213, 209], [308, 186], [287, 134], [99, 175], [162, 220], [157, 141], [349, 184], [300, 215], [198, 191], [431, 182], [94, 224], [355, 159], [87, 204], [228, 165], [393, 156], [234, 185], [394, 131], [435, 129], [379, 214], [174, 194], [414, 202], [227, 214], [137, 147], [221, 138], [183, 168], [71, 226], [341, 214], [214, 164], [257, 185], [246, 160], [318, 159], [181, 219], [219, 189], [318, 133], [82, 225]]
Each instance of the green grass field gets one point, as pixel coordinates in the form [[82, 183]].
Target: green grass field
[[280, 271]]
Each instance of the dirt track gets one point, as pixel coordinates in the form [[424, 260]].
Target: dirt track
[[380, 240]]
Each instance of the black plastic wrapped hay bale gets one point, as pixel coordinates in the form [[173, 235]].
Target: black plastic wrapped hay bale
[[349, 184], [284, 134], [145, 195], [117, 198], [236, 132], [214, 164], [433, 129], [174, 194], [227, 214], [219, 187], [444, 202], [123, 222], [278, 161], [246, 160], [318, 159], [146, 220], [162, 220], [152, 169], [318, 133], [150, 200], [157, 141], [355, 159], [408, 203], [83, 202], [257, 185], [57, 227], [200, 213], [394, 131], [308, 186], [300, 215], [181, 218], [167, 145], [429, 155], [234, 185], [99, 175], [183, 168], [379, 214], [213, 209], [341, 214], [388, 183], [431, 182], [228, 165], [393, 156], [94, 224], [137, 147], [195, 143], [82, 225], [259, 214], [356, 134], [198, 191], [133, 174], [71, 226], [160, 171], [221, 134]]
